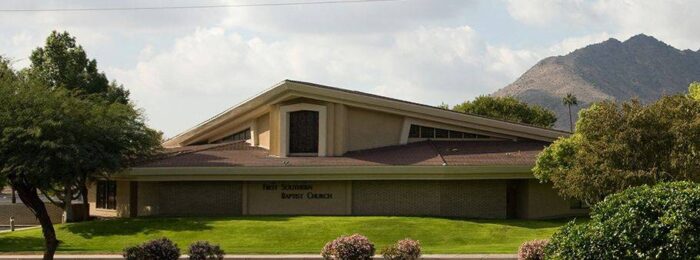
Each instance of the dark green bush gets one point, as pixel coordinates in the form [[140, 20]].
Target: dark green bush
[[203, 250], [657, 222], [158, 249]]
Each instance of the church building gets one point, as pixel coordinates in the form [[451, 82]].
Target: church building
[[306, 149]]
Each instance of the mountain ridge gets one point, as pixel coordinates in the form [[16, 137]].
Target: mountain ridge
[[641, 67]]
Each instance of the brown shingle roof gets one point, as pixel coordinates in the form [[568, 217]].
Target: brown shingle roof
[[426, 153]]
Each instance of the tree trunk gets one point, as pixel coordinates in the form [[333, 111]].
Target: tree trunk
[[28, 195], [67, 199], [571, 120], [86, 207]]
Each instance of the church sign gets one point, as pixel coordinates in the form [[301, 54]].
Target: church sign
[[319, 197]]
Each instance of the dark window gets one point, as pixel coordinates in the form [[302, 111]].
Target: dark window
[[242, 135], [418, 131], [441, 133], [303, 132], [456, 135], [106, 195], [414, 132], [469, 136], [427, 132]]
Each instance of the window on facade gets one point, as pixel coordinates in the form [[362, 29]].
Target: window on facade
[[242, 135], [418, 131], [427, 132], [106, 195], [414, 131]]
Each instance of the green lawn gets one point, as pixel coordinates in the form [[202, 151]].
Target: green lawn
[[277, 235]]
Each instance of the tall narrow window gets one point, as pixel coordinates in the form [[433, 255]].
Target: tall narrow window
[[106, 195], [303, 132]]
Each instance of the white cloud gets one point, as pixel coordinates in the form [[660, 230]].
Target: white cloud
[[214, 68], [673, 21]]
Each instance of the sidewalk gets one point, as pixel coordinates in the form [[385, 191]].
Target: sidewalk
[[273, 257]]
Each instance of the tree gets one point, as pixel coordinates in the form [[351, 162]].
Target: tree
[[617, 146], [63, 64], [509, 109], [657, 222], [50, 137], [694, 90], [570, 100]]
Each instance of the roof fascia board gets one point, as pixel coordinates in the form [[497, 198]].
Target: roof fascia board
[[241, 107], [327, 173]]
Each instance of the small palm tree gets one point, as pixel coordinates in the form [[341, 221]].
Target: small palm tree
[[570, 100]]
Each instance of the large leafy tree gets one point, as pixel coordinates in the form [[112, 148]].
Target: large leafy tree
[[63, 64], [617, 146], [52, 137], [509, 109]]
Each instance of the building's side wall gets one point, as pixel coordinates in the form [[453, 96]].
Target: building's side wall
[[541, 201], [194, 198], [24, 216], [453, 198], [371, 129], [473, 199], [123, 193], [297, 198]]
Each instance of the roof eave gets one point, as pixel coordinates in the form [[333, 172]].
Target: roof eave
[[327, 173]]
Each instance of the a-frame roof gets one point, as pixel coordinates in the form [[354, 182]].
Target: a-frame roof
[[289, 89]]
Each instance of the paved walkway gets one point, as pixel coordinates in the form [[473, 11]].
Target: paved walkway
[[272, 257]]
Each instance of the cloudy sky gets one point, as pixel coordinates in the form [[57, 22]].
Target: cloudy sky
[[183, 66]]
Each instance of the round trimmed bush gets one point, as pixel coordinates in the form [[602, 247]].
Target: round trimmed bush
[[355, 247], [657, 222], [406, 249], [532, 250], [203, 250], [158, 249]]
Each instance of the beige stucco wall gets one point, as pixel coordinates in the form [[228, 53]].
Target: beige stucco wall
[[298, 198], [472, 199], [123, 191], [540, 201], [371, 129], [262, 124]]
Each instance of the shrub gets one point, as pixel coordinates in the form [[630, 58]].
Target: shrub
[[158, 249], [406, 249], [203, 250], [133, 253], [532, 250], [659, 222], [355, 247]]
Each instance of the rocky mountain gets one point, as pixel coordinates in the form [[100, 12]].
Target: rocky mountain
[[641, 67]]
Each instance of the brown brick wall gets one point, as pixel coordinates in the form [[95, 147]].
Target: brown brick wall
[[473, 199], [194, 198], [467, 199], [540, 201]]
